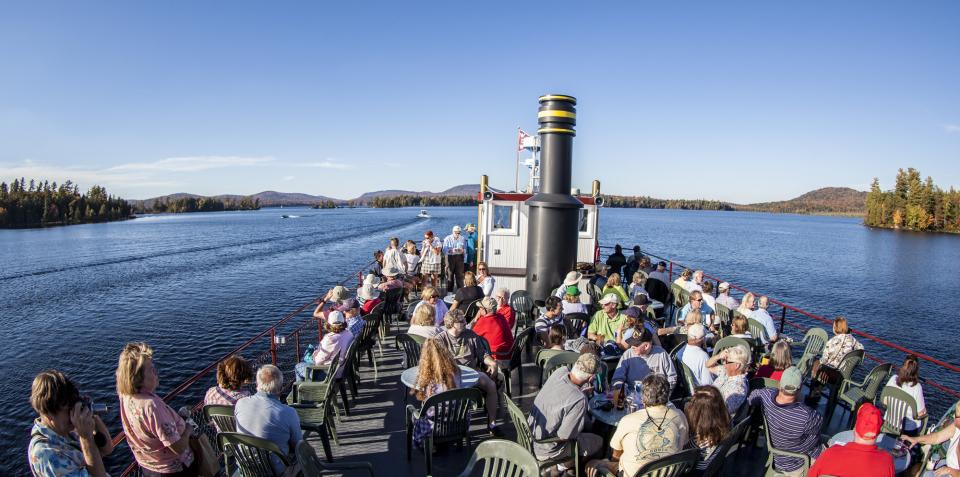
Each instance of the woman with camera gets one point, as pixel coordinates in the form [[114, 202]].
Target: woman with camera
[[68, 439], [157, 435]]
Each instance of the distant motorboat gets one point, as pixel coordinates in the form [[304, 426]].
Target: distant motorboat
[[423, 214], [284, 216]]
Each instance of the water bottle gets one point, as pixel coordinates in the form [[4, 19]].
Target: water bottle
[[308, 356]]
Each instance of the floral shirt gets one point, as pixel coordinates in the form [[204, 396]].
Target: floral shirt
[[733, 389], [52, 455], [225, 397], [151, 427], [838, 347]]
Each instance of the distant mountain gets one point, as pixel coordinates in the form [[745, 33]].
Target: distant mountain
[[267, 198], [462, 189], [828, 200]]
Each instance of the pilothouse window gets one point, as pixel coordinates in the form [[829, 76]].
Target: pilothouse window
[[502, 217], [584, 215]]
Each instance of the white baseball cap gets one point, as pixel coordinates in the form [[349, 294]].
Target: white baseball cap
[[335, 318]]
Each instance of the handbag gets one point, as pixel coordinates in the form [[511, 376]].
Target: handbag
[[207, 459]]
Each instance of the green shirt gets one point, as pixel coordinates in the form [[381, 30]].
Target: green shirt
[[601, 324]]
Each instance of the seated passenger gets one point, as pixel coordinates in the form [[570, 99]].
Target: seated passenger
[[571, 301], [907, 380], [578, 280], [468, 294], [660, 273], [423, 323], [655, 431], [552, 316], [486, 282], [730, 366], [637, 286], [696, 282], [263, 415], [599, 279], [392, 279], [740, 327], [825, 369], [684, 279], [725, 299], [560, 411], [64, 439], [950, 465], [437, 373], [709, 422], [351, 313], [641, 360], [761, 315], [368, 296], [746, 306], [780, 359], [467, 350], [696, 303], [695, 357], [335, 342], [793, 426], [556, 338], [607, 321], [493, 328], [860, 458], [502, 295], [614, 286], [233, 375], [430, 296]]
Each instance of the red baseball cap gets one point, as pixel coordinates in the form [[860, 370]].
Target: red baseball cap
[[869, 421]]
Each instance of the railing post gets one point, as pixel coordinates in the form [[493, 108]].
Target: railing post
[[671, 272], [783, 317], [716, 289], [296, 337], [273, 345]]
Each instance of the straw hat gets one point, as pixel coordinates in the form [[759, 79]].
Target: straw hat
[[572, 278]]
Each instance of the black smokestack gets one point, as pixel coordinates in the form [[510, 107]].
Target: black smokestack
[[553, 212]]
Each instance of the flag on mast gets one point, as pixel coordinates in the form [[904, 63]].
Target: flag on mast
[[520, 137]]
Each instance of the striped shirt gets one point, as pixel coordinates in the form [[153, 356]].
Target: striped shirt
[[793, 427]]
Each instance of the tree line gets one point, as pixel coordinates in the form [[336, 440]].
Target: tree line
[[420, 201], [913, 204], [198, 204], [643, 202], [38, 204], [325, 204]]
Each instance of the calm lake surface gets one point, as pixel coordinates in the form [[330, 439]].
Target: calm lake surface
[[195, 286]]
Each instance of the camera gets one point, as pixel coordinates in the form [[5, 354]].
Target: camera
[[95, 408]]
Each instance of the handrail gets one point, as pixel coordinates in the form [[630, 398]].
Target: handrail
[[922, 356], [120, 437]]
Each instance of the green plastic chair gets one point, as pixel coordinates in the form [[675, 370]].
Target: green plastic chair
[[516, 359], [369, 335], [522, 306], [313, 467], [896, 402], [725, 314], [253, 454], [847, 366], [501, 458], [725, 449], [730, 342], [687, 377], [411, 350], [758, 331], [674, 465], [814, 341], [575, 324], [772, 451], [854, 392], [525, 438], [312, 401], [221, 416], [451, 419], [566, 358]]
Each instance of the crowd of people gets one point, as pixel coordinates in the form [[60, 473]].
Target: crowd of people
[[619, 353]]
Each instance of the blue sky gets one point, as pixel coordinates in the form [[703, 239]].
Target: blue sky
[[737, 101]]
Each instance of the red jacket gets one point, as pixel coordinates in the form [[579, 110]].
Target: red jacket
[[496, 331], [853, 460], [369, 304], [507, 313]]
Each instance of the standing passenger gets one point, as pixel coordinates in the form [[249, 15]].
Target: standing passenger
[[430, 257], [454, 248]]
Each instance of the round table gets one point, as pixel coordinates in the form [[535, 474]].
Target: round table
[[884, 442], [611, 417], [468, 377], [449, 300]]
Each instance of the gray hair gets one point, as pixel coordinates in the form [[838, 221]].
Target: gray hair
[[503, 291], [269, 379], [763, 302], [738, 354], [655, 390], [586, 366]]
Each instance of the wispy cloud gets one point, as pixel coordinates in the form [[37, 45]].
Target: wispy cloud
[[325, 164], [193, 163], [83, 176], [394, 165], [289, 178], [952, 128]]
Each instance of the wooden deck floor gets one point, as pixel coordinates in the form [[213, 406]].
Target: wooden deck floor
[[375, 430]]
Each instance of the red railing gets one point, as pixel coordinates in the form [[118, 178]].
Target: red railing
[[271, 352], [783, 321]]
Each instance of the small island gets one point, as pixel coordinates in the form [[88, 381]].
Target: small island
[[913, 204], [43, 204]]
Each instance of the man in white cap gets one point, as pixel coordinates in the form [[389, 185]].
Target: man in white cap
[[695, 357], [575, 278], [454, 248], [606, 321], [725, 299], [794, 426], [392, 280]]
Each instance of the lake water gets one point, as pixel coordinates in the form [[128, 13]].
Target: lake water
[[195, 286]]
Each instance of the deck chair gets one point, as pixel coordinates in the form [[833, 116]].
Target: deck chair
[[525, 438], [516, 362], [451, 419], [687, 377], [724, 314], [501, 458], [312, 401], [813, 341], [410, 309], [348, 376], [847, 366], [411, 350], [674, 465], [575, 324], [773, 451], [392, 308], [522, 306], [566, 358], [852, 393], [313, 467], [221, 416], [730, 342], [896, 403], [253, 454], [470, 310], [369, 336], [725, 449]]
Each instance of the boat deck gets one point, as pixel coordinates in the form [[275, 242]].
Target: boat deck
[[375, 431]]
